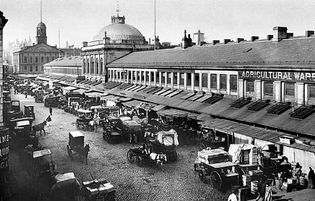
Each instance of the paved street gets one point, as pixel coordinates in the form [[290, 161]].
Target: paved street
[[177, 182]]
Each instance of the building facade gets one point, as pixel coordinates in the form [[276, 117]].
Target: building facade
[[258, 91], [68, 66], [112, 42], [31, 59], [3, 21]]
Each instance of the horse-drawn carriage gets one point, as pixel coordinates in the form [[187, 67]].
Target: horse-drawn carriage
[[76, 146], [164, 142], [29, 111], [214, 166], [112, 129], [143, 155], [84, 118], [67, 187], [131, 129]]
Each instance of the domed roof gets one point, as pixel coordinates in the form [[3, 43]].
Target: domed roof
[[41, 24], [119, 32]]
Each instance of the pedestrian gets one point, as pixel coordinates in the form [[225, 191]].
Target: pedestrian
[[233, 196], [311, 178], [25, 92], [50, 110]]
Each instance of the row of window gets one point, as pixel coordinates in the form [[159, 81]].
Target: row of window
[[72, 71], [32, 68], [136, 75], [87, 69], [289, 88], [30, 59]]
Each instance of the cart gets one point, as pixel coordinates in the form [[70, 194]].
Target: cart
[[29, 111], [76, 146], [43, 163], [131, 130], [214, 166], [112, 131], [84, 117], [97, 190]]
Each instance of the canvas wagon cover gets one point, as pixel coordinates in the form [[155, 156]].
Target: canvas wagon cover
[[168, 138]]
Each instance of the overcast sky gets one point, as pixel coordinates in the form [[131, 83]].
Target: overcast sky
[[81, 20]]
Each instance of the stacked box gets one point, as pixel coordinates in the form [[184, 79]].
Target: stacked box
[[246, 179], [254, 187], [213, 156]]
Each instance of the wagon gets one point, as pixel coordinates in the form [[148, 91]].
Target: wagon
[[112, 131], [164, 142], [214, 166], [29, 111], [84, 117], [67, 187], [76, 146], [132, 130], [43, 163]]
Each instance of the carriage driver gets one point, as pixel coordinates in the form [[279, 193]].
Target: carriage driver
[[146, 149]]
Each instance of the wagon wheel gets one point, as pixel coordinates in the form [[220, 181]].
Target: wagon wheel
[[69, 152], [139, 161], [131, 157], [216, 180], [202, 175]]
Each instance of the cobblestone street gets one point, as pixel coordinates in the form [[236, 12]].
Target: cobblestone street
[[177, 182]]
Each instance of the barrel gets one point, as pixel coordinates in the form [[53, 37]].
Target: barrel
[[254, 187], [4, 149]]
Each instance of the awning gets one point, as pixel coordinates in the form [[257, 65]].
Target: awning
[[133, 103], [124, 99], [93, 94], [203, 117], [80, 91], [192, 115], [159, 107], [69, 88], [173, 112], [110, 97]]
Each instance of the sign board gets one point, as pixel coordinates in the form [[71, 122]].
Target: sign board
[[277, 75]]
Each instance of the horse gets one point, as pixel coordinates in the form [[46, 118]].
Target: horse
[[83, 153], [39, 127]]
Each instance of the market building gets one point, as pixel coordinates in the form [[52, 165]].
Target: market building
[[112, 42], [3, 21], [258, 91]]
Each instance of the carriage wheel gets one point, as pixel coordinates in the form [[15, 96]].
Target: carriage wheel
[[216, 180], [130, 156]]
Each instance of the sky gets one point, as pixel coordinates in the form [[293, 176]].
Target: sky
[[81, 20]]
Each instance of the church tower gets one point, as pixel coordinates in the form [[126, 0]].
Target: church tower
[[41, 29]]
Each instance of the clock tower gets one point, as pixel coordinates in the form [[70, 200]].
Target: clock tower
[[41, 33]]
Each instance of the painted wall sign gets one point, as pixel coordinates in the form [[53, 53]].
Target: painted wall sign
[[277, 75]]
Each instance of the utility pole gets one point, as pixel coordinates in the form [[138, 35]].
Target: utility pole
[[154, 24]]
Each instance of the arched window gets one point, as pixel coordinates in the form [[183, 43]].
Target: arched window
[[36, 68], [31, 59], [36, 60], [47, 59], [42, 59], [25, 59], [96, 66], [101, 66]]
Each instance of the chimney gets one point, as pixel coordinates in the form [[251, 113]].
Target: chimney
[[239, 40], [215, 42], [309, 33], [253, 38], [289, 35], [226, 41], [269, 37], [85, 43], [279, 33]]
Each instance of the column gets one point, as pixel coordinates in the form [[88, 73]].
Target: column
[[166, 78], [200, 81], [299, 93], [172, 80], [131, 76], [178, 80], [208, 84], [99, 65], [94, 64], [140, 77], [241, 88], [192, 81], [154, 78], [160, 79], [185, 81], [257, 89], [277, 91], [150, 78], [218, 83], [128, 78]]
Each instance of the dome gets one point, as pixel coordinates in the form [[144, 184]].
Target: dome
[[117, 32], [41, 24]]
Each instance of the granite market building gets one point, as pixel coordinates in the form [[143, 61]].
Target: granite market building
[[259, 91]]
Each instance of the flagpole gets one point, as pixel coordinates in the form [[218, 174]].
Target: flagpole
[[154, 24]]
